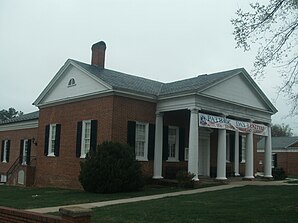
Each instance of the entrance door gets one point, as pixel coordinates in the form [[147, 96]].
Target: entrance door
[[204, 155]]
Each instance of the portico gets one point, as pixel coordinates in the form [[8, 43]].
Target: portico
[[222, 123]]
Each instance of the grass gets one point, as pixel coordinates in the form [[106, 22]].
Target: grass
[[245, 204], [25, 198]]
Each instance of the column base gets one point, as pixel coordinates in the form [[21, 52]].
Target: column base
[[236, 174], [268, 176], [195, 178], [221, 178], [157, 177]]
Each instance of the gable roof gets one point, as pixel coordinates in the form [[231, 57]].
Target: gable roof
[[22, 118], [279, 142], [118, 81]]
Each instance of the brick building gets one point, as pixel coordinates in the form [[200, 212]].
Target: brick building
[[284, 154], [206, 125]]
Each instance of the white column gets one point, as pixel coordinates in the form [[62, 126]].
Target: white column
[[249, 162], [193, 156], [236, 152], [268, 155], [221, 155], [157, 169]]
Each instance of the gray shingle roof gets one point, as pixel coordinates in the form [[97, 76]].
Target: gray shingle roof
[[133, 83], [122, 81], [25, 117], [279, 142]]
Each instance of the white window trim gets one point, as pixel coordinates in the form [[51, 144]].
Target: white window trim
[[243, 149], [228, 148], [145, 157], [186, 154], [83, 152], [176, 158], [5, 151], [24, 162], [50, 140]]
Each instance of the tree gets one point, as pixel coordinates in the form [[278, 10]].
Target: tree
[[112, 168], [274, 27], [9, 114], [281, 130]]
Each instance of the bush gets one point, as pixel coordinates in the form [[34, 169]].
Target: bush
[[279, 173], [112, 168], [185, 179]]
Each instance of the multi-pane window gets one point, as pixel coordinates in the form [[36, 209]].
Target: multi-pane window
[[86, 138], [5, 151], [141, 143], [228, 148], [52, 140], [25, 151], [243, 151], [173, 143]]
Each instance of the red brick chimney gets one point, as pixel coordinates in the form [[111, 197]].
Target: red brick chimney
[[98, 54]]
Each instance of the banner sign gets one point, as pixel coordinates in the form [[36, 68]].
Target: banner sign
[[218, 122]]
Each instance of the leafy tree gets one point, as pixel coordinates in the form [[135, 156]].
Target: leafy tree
[[281, 130], [112, 168], [9, 114], [275, 27]]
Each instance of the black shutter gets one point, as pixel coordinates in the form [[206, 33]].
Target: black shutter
[[2, 151], [93, 136], [181, 144], [21, 151], [57, 140], [240, 148], [232, 147], [79, 139], [275, 160], [131, 133], [46, 140], [7, 150], [28, 155], [151, 142], [165, 142]]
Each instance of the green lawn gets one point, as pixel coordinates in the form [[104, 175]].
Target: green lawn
[[25, 198], [245, 204]]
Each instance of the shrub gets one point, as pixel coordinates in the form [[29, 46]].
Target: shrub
[[185, 179], [112, 168], [278, 173]]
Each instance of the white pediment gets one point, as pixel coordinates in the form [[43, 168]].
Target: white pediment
[[71, 83], [237, 89]]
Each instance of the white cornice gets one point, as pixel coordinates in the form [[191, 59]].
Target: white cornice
[[19, 125]]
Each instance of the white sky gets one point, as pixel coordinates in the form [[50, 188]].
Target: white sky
[[164, 40]]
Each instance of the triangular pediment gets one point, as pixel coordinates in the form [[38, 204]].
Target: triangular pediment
[[71, 82], [239, 89]]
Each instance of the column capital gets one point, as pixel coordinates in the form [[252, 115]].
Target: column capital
[[194, 109], [159, 114]]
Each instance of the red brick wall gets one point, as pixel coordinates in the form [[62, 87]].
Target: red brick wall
[[112, 113], [63, 171], [11, 215], [15, 137], [286, 160]]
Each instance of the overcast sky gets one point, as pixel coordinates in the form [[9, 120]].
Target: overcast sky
[[164, 40]]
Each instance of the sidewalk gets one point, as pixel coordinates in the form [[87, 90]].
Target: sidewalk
[[158, 196]]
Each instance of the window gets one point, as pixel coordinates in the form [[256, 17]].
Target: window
[[228, 149], [173, 143], [274, 160], [86, 137], [71, 82], [141, 141], [52, 140], [5, 151], [25, 151], [243, 143], [186, 154]]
